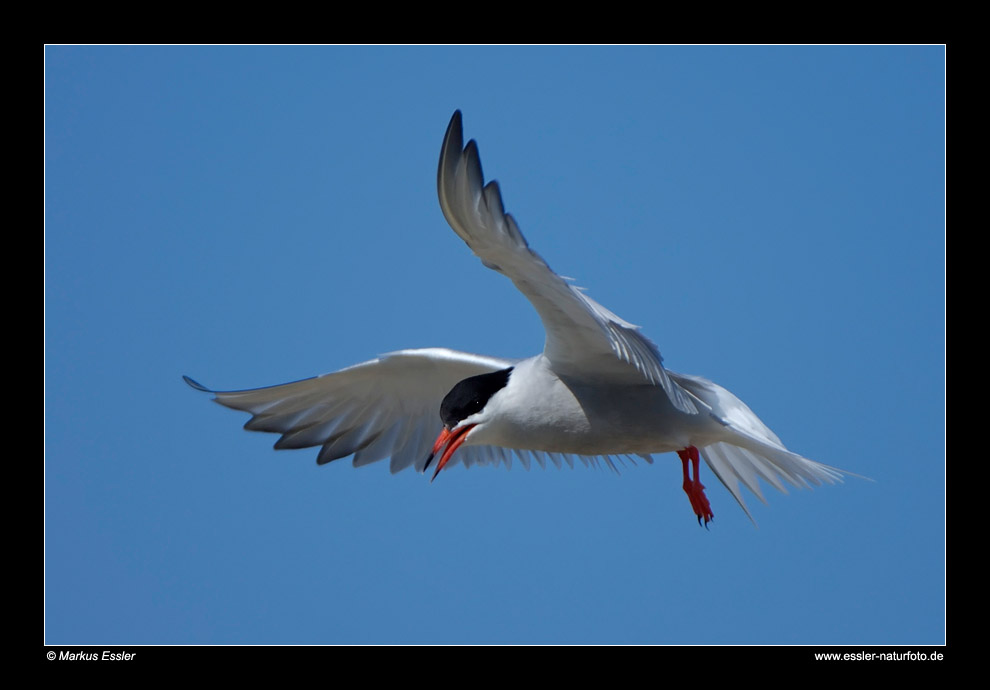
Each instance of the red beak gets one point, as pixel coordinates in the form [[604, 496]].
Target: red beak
[[449, 441]]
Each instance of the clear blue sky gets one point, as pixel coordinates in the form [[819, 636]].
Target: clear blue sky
[[772, 217]]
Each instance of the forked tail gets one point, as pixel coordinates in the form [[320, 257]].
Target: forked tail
[[750, 451]]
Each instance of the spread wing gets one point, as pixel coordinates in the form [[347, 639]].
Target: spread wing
[[584, 339], [385, 408]]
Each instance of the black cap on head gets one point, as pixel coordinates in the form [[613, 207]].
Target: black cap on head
[[471, 395]]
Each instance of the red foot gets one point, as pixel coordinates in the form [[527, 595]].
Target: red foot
[[694, 489]]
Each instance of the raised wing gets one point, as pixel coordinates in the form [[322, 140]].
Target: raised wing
[[584, 339], [385, 408]]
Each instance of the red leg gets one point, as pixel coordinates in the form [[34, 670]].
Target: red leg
[[694, 489]]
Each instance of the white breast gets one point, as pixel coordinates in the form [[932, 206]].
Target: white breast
[[540, 410]]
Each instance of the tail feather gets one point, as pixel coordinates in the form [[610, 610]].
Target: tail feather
[[733, 464], [749, 450]]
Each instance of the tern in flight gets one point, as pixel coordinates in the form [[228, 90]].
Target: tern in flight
[[598, 391]]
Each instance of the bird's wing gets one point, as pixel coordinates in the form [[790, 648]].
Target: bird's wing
[[385, 408], [584, 339]]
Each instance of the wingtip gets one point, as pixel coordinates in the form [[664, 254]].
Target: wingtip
[[455, 128], [196, 385], [453, 144]]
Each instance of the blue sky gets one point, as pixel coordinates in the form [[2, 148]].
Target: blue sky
[[773, 217]]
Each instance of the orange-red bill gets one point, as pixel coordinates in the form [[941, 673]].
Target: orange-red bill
[[450, 441]]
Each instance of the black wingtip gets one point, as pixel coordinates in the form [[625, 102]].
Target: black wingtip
[[455, 128], [195, 385], [450, 151]]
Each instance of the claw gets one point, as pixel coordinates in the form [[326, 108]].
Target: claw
[[694, 489]]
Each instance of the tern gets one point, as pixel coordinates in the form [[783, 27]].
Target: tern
[[597, 393]]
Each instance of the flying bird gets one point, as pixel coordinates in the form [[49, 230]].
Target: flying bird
[[597, 393]]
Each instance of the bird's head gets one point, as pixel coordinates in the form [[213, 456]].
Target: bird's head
[[464, 408]]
